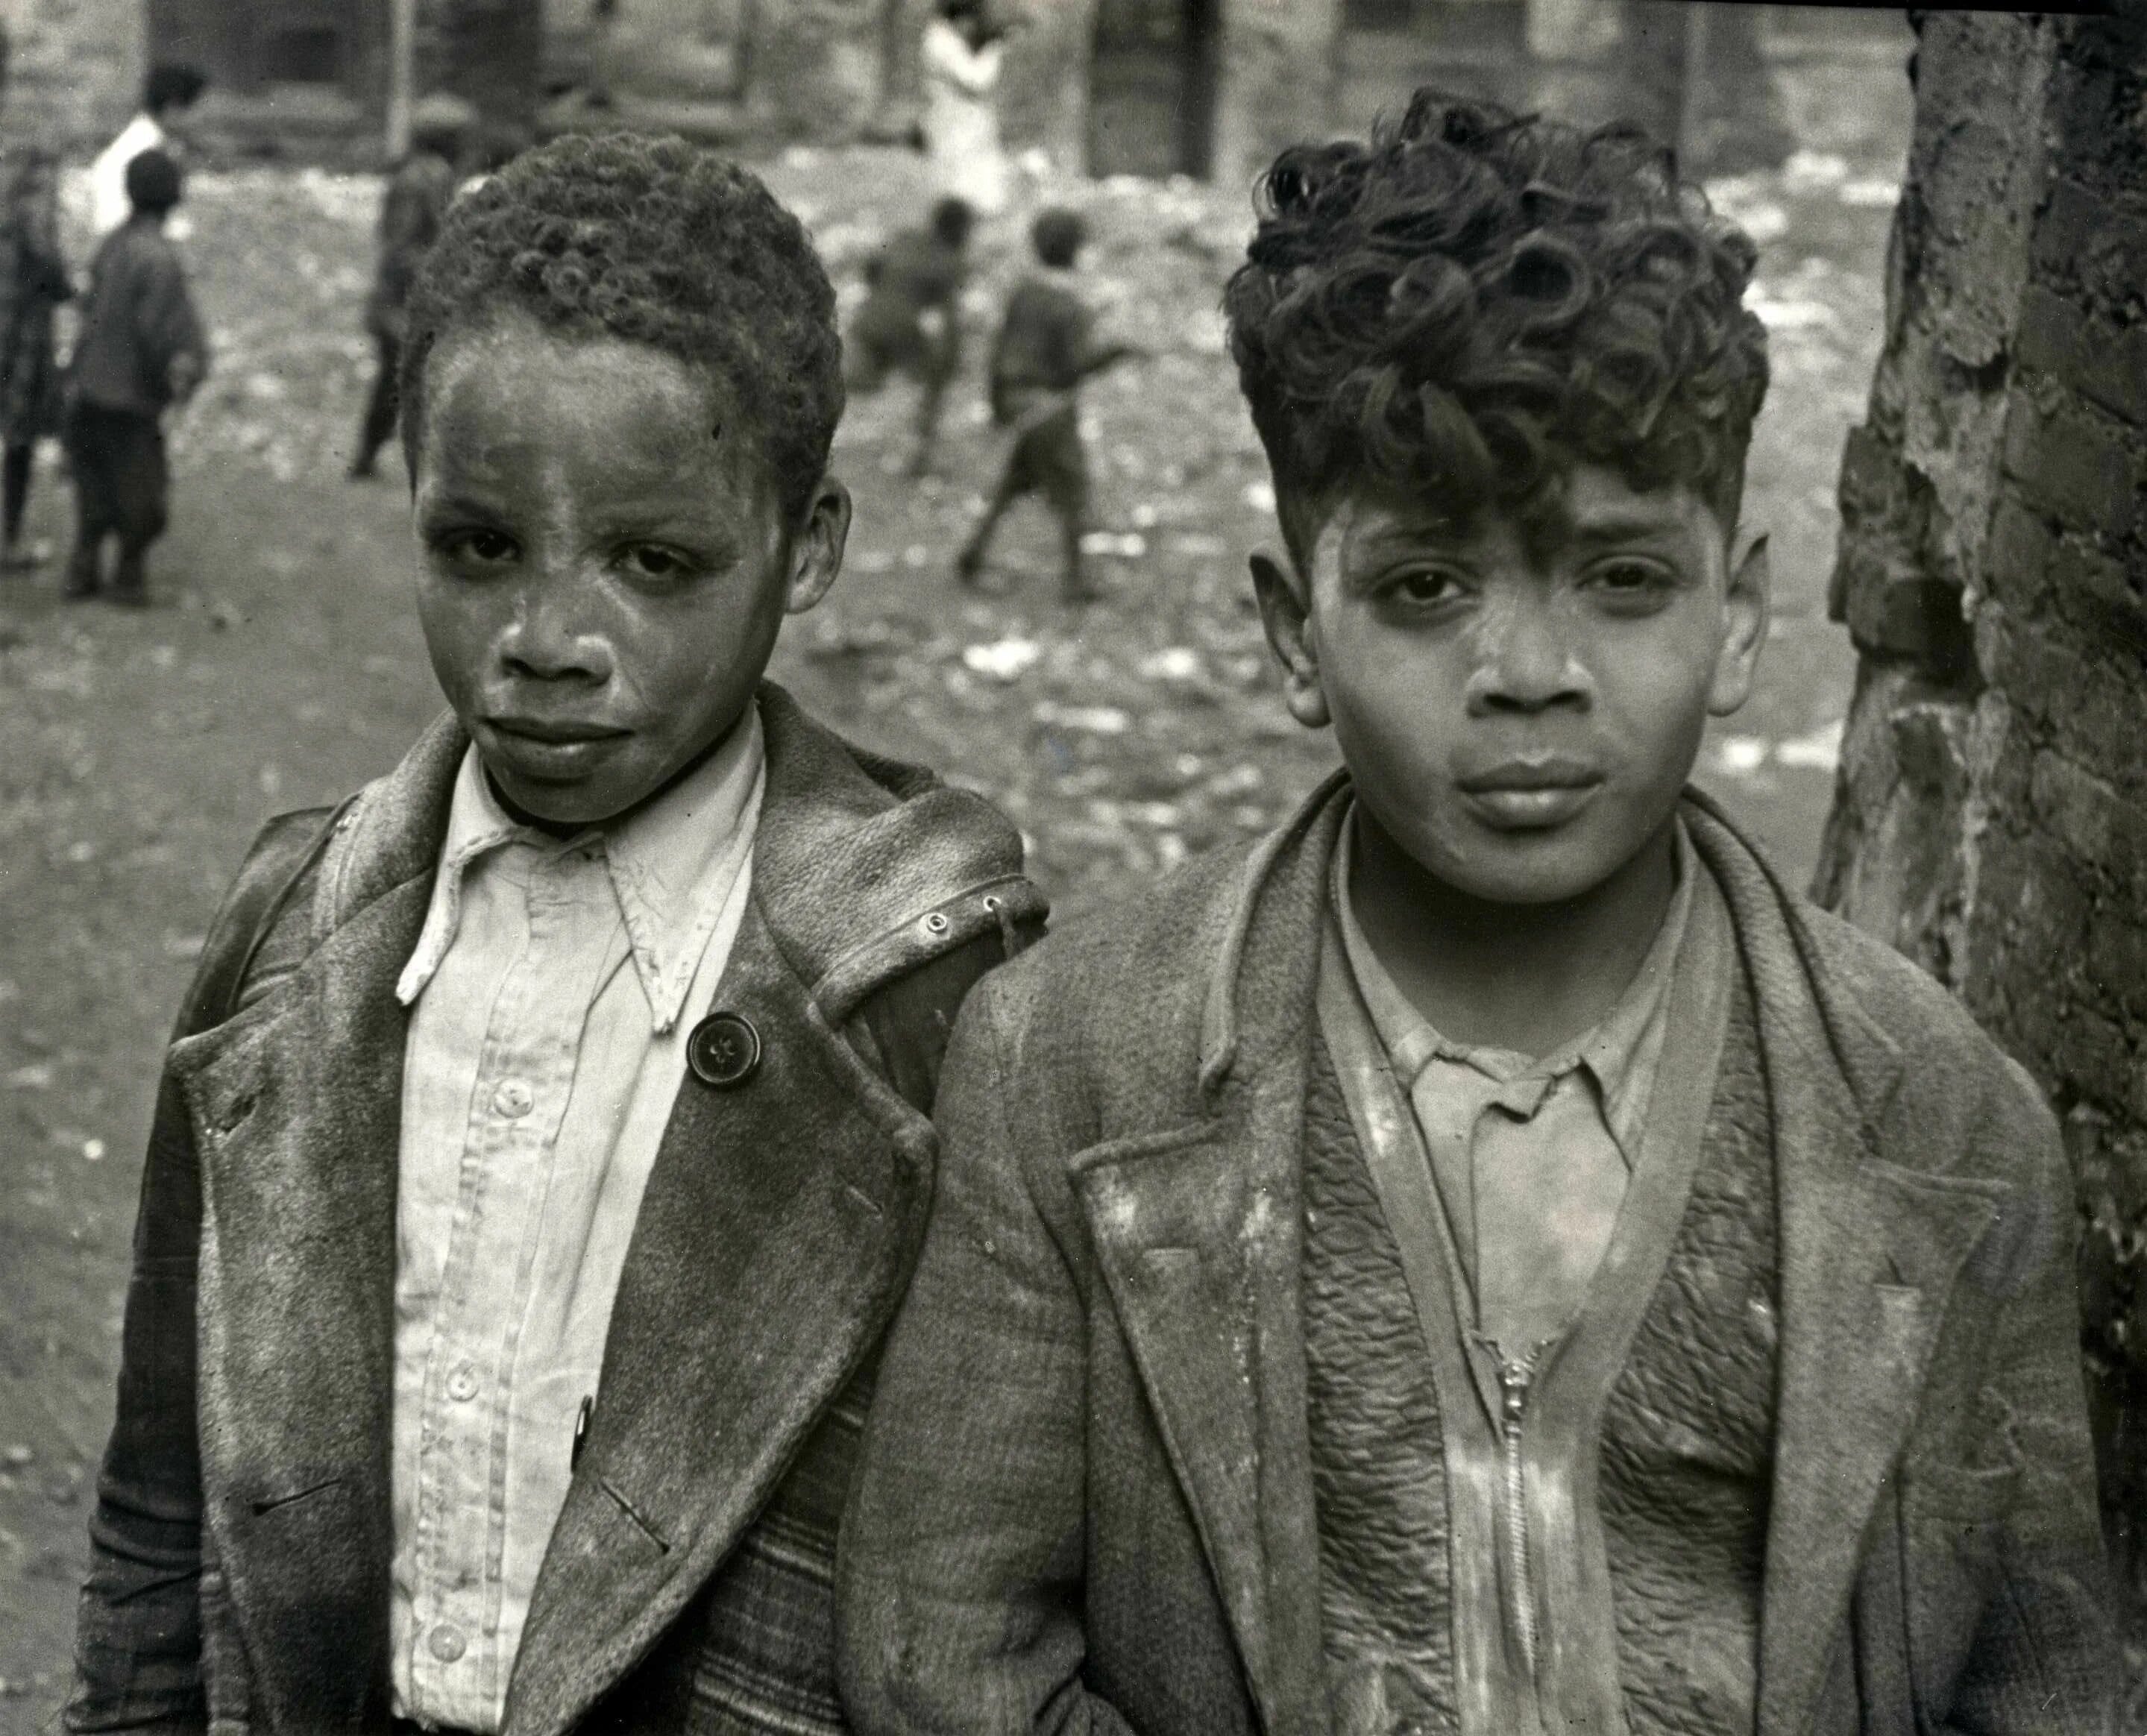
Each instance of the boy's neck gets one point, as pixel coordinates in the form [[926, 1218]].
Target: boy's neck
[[1529, 978]]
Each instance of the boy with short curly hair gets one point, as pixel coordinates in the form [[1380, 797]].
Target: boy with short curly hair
[[1487, 1257], [544, 1145]]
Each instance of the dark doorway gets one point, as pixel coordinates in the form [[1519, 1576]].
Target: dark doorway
[[1152, 87], [249, 47]]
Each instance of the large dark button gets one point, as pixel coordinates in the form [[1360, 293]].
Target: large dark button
[[723, 1050]]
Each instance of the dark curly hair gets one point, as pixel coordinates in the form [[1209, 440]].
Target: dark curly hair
[[657, 242], [1475, 302]]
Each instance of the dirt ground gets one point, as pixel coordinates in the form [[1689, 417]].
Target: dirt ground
[[282, 666]]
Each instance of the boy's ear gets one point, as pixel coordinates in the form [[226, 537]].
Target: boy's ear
[[816, 552], [1747, 603], [1286, 612]]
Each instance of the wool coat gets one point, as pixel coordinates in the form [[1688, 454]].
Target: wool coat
[[241, 1539], [1087, 1503]]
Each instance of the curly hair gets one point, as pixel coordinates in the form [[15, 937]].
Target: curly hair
[[1475, 302], [657, 242]]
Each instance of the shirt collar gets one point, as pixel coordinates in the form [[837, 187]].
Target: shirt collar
[[671, 865], [1617, 1054]]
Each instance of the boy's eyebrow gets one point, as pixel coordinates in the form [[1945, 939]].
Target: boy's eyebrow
[[457, 506], [1626, 525]]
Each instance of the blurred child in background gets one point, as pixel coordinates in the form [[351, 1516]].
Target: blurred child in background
[[142, 349], [33, 281], [1046, 345], [910, 323], [168, 94], [964, 46], [411, 213]]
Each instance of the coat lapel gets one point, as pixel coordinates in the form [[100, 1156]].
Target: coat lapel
[[295, 1105], [1199, 1236], [779, 1222], [1870, 1254]]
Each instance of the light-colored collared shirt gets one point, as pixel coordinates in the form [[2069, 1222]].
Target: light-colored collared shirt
[[552, 989], [109, 206], [1531, 1155]]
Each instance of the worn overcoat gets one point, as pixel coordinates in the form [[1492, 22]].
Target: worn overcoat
[[241, 1538], [1087, 1503]]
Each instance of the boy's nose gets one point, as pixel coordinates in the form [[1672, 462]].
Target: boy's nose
[[1524, 662], [547, 639]]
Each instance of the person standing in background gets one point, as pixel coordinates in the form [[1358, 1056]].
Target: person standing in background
[[33, 281], [142, 349], [964, 49], [911, 322], [168, 92], [1047, 346], [411, 214]]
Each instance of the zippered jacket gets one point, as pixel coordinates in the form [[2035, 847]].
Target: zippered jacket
[[1088, 1501]]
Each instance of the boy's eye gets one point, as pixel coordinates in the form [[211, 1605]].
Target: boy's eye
[[1423, 587], [1629, 580], [479, 548], [653, 562]]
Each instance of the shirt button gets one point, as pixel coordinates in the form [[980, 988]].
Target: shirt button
[[461, 1384], [513, 1098], [447, 1642]]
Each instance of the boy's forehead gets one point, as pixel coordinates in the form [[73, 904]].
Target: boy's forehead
[[1580, 503], [514, 364]]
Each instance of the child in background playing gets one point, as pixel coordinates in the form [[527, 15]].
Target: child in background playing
[[910, 319], [141, 350], [1047, 346]]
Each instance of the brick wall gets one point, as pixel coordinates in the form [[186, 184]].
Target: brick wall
[[1991, 817]]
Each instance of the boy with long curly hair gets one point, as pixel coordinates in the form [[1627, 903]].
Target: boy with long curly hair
[[544, 1145], [1487, 1257]]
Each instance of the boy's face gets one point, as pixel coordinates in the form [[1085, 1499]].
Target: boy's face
[[1519, 706], [603, 561]]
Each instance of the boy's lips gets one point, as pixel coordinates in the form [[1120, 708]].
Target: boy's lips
[[1525, 795], [554, 730], [549, 750]]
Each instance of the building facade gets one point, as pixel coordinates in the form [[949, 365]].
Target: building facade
[[1208, 88]]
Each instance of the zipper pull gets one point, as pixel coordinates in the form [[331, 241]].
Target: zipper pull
[[1513, 1391]]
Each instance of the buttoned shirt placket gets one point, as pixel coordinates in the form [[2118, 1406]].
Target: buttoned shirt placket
[[525, 1071]]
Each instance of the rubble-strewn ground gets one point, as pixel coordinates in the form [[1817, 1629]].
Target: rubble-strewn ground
[[281, 667]]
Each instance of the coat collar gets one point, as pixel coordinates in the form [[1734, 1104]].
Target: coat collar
[[1199, 1235], [778, 1223], [1197, 1230]]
